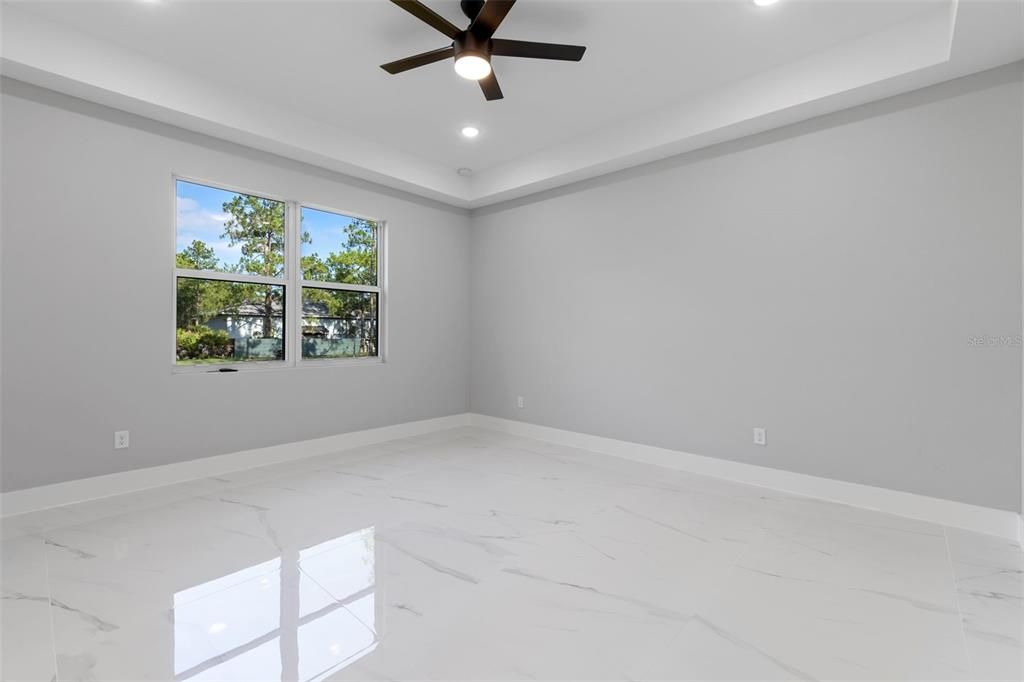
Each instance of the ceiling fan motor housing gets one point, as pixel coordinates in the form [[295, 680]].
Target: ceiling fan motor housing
[[468, 44], [471, 8]]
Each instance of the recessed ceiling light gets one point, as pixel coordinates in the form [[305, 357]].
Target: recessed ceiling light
[[470, 131], [217, 628], [473, 67], [765, 3]]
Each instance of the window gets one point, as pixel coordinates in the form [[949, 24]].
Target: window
[[340, 287], [263, 281]]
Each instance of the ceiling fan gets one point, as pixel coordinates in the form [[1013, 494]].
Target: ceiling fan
[[473, 47]]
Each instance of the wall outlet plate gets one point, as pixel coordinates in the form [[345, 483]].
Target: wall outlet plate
[[760, 436], [120, 440], [519, 401]]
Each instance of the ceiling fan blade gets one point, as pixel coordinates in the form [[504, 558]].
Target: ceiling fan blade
[[422, 59], [490, 87], [490, 17], [526, 48], [429, 16]]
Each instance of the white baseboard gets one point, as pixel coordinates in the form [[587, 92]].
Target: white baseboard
[[1005, 524], [997, 522], [85, 489]]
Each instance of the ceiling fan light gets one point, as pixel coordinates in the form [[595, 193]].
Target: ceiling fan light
[[473, 67]]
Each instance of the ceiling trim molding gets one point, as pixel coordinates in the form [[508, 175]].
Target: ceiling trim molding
[[1007, 73], [834, 79], [957, 38], [42, 53], [53, 98]]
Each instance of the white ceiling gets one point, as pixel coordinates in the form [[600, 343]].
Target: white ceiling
[[329, 69], [302, 78]]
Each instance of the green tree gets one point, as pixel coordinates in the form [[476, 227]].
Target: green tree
[[257, 225], [197, 301], [198, 256], [355, 263]]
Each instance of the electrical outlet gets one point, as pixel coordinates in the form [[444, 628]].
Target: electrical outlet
[[120, 440], [519, 401], [760, 436]]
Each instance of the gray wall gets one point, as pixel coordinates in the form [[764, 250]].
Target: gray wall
[[821, 280], [88, 215]]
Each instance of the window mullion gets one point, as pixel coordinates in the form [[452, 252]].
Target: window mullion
[[293, 314], [228, 276], [380, 239], [339, 286]]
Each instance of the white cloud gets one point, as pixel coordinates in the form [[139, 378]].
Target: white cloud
[[194, 218], [225, 253]]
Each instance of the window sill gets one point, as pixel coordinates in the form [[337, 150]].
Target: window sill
[[241, 368]]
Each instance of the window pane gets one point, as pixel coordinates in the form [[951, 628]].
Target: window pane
[[338, 324], [338, 248], [222, 322], [228, 232]]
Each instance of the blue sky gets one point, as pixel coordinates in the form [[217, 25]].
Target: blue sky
[[327, 230], [200, 215]]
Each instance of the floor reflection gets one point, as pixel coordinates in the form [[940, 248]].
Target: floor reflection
[[306, 613]]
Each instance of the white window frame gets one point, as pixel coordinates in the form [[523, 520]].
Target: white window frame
[[291, 281]]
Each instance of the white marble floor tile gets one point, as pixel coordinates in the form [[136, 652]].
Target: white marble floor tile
[[798, 628], [470, 555], [26, 642], [990, 586]]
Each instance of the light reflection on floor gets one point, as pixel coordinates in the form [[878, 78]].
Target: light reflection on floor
[[306, 613]]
